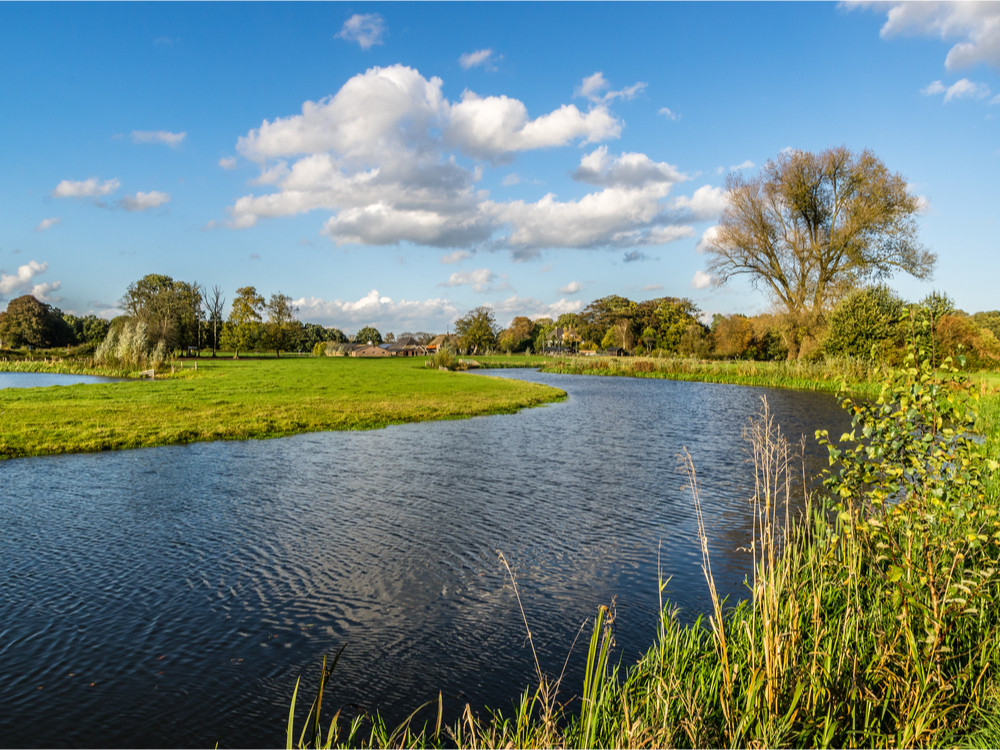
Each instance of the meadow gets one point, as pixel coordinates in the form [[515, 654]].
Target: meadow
[[229, 399]]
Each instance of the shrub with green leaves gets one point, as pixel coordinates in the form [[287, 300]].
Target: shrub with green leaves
[[866, 324]]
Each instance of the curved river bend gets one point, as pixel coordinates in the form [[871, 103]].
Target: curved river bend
[[169, 597]]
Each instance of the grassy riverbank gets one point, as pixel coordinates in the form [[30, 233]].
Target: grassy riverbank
[[249, 398], [812, 376]]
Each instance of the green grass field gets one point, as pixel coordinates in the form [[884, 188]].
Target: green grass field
[[229, 399]]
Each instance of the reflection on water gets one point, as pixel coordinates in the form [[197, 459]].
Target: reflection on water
[[171, 596]]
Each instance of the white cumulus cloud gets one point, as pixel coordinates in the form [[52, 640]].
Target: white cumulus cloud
[[481, 280], [495, 126], [701, 280], [532, 308], [92, 188], [143, 201], [228, 162], [705, 203], [708, 239], [625, 170], [391, 160], [376, 309], [572, 287], [975, 26], [23, 280], [367, 29]]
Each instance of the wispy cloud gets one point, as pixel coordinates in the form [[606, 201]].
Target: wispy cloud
[[456, 257], [144, 201], [481, 280], [596, 88], [48, 223], [482, 58], [961, 89], [367, 29], [158, 136]]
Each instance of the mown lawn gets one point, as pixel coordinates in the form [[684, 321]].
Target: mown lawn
[[250, 398]]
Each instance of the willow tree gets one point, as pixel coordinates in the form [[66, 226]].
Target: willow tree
[[812, 227]]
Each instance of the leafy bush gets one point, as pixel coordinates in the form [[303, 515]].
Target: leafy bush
[[866, 324]]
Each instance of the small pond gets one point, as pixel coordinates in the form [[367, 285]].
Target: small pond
[[170, 597], [45, 379]]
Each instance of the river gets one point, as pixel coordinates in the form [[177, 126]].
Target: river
[[169, 597]]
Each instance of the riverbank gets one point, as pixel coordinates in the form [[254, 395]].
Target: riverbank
[[245, 399]]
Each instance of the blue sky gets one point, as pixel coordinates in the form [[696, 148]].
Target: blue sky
[[399, 164]]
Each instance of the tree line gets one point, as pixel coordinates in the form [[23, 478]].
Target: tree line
[[165, 317], [817, 232]]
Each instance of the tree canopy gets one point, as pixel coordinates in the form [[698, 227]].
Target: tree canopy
[[811, 227], [29, 322], [242, 330], [171, 310], [366, 334], [477, 330], [282, 331]]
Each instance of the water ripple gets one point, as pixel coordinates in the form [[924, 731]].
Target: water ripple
[[170, 597]]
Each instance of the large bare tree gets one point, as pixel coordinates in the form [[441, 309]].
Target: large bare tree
[[811, 227]]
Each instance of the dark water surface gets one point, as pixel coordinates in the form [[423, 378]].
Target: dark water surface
[[169, 597]]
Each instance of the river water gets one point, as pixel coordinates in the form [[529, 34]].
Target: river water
[[169, 597], [45, 379]]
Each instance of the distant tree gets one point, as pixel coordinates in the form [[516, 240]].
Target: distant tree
[[813, 226], [242, 330], [88, 330], [366, 334], [337, 336], [989, 320], [92, 330], [169, 309], [958, 336], [390, 338], [421, 337], [599, 316], [477, 330], [619, 336], [282, 331], [674, 317], [732, 336], [648, 338], [29, 322], [216, 305], [543, 334], [518, 336]]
